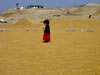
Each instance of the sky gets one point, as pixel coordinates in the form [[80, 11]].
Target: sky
[[5, 4]]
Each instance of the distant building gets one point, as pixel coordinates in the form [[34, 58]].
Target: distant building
[[35, 6], [21, 8], [93, 4]]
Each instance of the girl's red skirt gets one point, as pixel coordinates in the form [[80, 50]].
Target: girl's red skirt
[[46, 37]]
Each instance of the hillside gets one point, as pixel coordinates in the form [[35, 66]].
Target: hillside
[[82, 11]]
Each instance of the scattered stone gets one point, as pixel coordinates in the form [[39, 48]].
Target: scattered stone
[[89, 30], [82, 30], [27, 30], [2, 30], [70, 30]]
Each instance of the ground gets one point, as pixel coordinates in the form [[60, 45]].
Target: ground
[[69, 53]]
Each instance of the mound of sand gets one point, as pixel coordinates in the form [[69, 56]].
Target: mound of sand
[[98, 14], [24, 21]]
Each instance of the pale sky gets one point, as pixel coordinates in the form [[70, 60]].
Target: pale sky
[[4, 4]]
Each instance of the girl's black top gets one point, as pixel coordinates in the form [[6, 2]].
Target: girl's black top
[[47, 29]]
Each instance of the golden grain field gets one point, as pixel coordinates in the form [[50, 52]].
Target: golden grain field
[[68, 53]]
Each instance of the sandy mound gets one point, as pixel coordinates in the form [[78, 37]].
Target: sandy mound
[[24, 21]]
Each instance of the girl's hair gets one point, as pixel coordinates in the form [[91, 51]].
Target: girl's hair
[[46, 21]]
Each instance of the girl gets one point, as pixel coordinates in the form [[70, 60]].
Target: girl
[[46, 36]]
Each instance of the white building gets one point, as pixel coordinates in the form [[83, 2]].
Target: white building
[[93, 4]]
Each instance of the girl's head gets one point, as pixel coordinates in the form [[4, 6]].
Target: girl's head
[[46, 22]]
